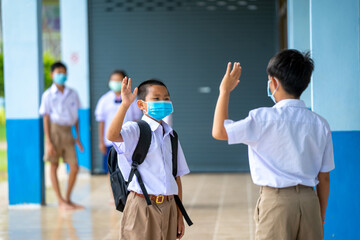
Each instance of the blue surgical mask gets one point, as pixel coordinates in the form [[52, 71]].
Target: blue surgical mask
[[115, 85], [60, 78], [159, 109], [271, 95]]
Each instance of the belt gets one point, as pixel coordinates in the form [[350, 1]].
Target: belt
[[157, 199], [297, 188]]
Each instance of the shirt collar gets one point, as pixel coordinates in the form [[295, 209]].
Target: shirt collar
[[55, 90], [290, 103], [154, 125]]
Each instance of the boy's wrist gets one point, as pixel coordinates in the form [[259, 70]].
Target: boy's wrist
[[224, 92]]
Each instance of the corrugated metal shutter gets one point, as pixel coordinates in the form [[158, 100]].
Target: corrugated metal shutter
[[186, 44]]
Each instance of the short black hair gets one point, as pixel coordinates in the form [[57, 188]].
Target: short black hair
[[293, 69], [143, 88], [57, 65], [117, 71]]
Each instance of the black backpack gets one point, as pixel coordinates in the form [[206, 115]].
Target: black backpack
[[119, 185]]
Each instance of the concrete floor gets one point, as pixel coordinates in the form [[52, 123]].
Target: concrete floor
[[220, 205]]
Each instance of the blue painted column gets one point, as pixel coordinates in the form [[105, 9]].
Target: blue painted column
[[298, 17], [335, 44], [21, 22], [75, 53]]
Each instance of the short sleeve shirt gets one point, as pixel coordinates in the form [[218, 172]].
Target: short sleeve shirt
[[288, 144], [156, 170], [61, 107]]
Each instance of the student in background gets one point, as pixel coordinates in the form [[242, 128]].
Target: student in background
[[106, 109], [59, 108]]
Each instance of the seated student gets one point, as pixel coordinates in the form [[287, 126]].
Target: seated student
[[105, 111], [159, 220], [290, 150]]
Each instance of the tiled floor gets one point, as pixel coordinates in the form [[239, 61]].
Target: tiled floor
[[220, 205]]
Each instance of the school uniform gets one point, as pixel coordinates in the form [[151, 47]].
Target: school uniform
[[159, 220], [288, 145], [105, 111], [63, 111]]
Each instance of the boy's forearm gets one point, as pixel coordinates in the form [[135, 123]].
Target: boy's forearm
[[178, 181], [77, 129], [46, 122], [322, 190], [221, 113], [113, 133], [101, 131]]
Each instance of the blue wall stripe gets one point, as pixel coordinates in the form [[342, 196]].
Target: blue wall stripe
[[342, 217], [25, 161], [84, 158]]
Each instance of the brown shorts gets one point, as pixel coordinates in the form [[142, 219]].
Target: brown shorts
[[64, 144]]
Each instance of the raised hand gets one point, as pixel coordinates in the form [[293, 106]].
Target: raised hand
[[127, 96], [231, 78]]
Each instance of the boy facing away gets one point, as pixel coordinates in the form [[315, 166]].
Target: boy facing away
[[59, 108], [160, 220], [290, 150]]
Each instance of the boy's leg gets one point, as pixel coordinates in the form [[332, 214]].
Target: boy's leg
[[55, 135], [69, 156], [310, 221], [74, 169], [277, 214], [55, 184]]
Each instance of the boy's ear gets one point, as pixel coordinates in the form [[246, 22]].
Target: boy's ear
[[275, 82], [142, 105]]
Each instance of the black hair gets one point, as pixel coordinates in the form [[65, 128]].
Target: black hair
[[57, 65], [293, 69], [143, 88], [117, 71]]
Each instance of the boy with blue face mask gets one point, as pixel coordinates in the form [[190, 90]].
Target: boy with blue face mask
[[59, 108], [161, 220], [290, 150]]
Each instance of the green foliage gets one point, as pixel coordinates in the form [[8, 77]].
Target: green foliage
[[1, 73], [48, 60]]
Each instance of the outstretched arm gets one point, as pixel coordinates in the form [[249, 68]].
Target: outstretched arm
[[228, 83], [113, 133]]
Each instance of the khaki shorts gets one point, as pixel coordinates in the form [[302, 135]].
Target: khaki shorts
[[64, 144], [143, 222], [288, 213]]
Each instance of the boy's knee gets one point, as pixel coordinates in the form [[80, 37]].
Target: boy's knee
[[74, 168], [54, 165]]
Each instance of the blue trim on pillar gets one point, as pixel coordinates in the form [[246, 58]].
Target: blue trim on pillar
[[25, 161], [84, 158], [343, 209]]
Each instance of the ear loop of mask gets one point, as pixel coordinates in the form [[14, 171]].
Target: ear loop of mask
[[271, 95]]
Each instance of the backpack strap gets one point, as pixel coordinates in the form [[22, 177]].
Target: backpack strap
[[139, 155], [174, 148]]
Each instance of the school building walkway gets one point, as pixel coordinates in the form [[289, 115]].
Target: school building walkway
[[220, 205]]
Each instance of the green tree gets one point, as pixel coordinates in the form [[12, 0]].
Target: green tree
[[1, 73], [48, 60]]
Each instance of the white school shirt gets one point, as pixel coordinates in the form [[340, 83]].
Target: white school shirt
[[288, 144], [156, 170], [106, 109], [61, 107]]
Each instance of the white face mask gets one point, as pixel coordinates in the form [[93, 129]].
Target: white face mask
[[271, 95]]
